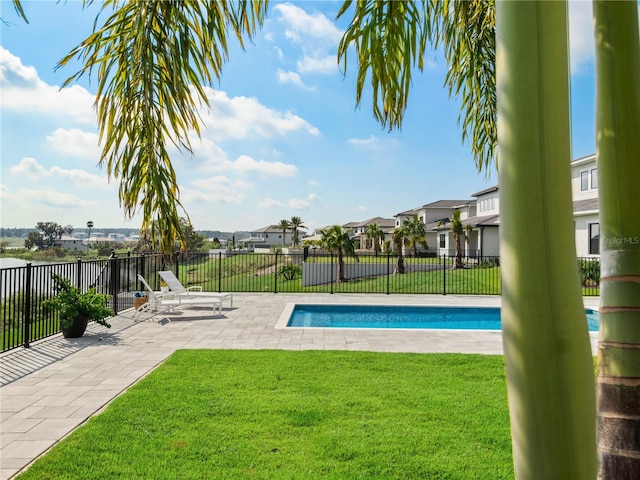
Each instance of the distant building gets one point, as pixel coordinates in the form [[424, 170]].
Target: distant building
[[71, 243]]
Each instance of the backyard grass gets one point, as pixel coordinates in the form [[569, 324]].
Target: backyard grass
[[220, 414]]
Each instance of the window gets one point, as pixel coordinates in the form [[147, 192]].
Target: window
[[594, 239], [594, 178], [443, 240], [584, 180]]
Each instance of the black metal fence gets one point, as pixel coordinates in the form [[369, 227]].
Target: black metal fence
[[23, 289]]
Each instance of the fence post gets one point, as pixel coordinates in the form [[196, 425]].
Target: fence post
[[113, 267], [388, 274], [79, 273], [332, 275], [275, 275], [27, 307], [444, 274], [220, 271], [143, 272], [176, 262]]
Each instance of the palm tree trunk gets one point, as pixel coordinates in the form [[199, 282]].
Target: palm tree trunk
[[547, 352], [458, 252], [618, 147], [341, 277]]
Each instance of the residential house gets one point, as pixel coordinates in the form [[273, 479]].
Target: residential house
[[482, 231], [267, 237], [432, 215], [584, 185], [71, 243], [358, 231]]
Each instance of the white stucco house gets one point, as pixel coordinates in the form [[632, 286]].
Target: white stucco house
[[267, 237], [586, 211], [434, 215], [358, 231], [481, 217], [71, 243]]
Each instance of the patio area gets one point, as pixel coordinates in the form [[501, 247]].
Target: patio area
[[51, 388]]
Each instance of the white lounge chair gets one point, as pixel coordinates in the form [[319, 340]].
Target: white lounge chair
[[170, 301], [194, 291]]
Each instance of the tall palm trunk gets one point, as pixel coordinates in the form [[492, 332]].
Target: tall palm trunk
[[458, 251], [618, 150], [341, 277], [546, 343]]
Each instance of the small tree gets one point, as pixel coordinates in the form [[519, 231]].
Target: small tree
[[46, 235], [415, 233], [376, 235], [457, 230], [336, 239], [284, 225], [398, 237], [296, 224]]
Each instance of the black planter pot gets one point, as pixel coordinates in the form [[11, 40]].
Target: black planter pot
[[77, 328]]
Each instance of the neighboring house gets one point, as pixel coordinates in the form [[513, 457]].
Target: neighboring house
[[71, 243], [584, 185], [267, 237], [358, 230], [433, 215], [482, 231]]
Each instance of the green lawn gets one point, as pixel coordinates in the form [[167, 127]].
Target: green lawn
[[220, 414]]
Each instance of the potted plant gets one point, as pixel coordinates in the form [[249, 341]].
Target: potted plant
[[76, 309], [164, 287]]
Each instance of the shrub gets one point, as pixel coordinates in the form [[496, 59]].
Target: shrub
[[290, 271], [589, 271]]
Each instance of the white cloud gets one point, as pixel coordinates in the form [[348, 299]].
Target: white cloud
[[245, 163], [243, 117], [269, 203], [318, 64], [297, 204], [30, 168], [312, 197], [45, 198], [581, 37], [301, 25], [24, 92], [75, 142], [313, 183], [292, 77], [216, 189], [361, 208]]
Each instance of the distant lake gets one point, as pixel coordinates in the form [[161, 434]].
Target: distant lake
[[9, 262]]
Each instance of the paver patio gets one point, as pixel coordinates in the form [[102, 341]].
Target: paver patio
[[49, 389]]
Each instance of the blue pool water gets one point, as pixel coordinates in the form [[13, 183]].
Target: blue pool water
[[385, 316]]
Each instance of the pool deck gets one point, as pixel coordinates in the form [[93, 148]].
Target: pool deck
[[49, 389]]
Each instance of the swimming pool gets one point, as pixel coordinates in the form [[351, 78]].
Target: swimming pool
[[393, 316]]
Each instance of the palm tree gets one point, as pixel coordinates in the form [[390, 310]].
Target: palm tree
[[415, 234], [457, 230], [618, 147], [284, 225], [551, 394], [375, 233], [151, 79], [296, 224], [336, 239], [398, 237]]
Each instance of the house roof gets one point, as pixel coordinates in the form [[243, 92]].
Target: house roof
[[484, 221], [585, 159], [439, 204], [381, 222], [486, 190], [267, 229], [590, 204]]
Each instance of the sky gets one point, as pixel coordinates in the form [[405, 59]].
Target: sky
[[283, 136]]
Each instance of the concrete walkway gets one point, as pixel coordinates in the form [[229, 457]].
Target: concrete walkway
[[49, 389]]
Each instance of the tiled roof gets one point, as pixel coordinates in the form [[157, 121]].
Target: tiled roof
[[586, 205], [486, 190]]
